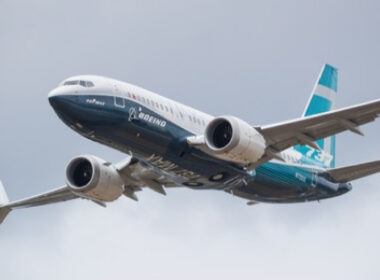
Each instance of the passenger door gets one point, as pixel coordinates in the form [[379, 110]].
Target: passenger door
[[119, 101]]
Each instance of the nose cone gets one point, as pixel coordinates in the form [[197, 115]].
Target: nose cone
[[57, 100], [65, 106], [54, 92], [56, 97], [58, 92]]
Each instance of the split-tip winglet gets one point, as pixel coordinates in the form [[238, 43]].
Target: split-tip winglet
[[3, 195], [4, 210]]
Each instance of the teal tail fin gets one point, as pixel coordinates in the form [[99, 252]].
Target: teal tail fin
[[322, 100]]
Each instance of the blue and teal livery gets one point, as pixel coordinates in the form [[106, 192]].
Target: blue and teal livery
[[280, 182], [170, 144]]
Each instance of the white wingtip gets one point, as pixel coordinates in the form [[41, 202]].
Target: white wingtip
[[3, 195], [4, 209]]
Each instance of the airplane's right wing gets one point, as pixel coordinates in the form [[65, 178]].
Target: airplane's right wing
[[134, 176], [353, 172], [56, 195]]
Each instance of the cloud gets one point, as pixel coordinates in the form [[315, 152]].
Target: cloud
[[203, 238]]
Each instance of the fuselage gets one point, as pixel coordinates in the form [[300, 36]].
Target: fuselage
[[155, 130]]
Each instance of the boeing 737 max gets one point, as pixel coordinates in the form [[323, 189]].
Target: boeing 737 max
[[169, 144]]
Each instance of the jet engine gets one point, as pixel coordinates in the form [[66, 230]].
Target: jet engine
[[94, 178], [234, 140]]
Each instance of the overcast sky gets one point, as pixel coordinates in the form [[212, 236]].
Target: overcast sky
[[257, 60]]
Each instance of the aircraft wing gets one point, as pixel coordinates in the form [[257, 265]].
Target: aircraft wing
[[135, 174], [306, 130], [56, 195], [138, 175], [353, 172]]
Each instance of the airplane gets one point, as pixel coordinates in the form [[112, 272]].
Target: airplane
[[168, 144]]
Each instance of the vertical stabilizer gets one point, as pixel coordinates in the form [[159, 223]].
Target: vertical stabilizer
[[322, 100]]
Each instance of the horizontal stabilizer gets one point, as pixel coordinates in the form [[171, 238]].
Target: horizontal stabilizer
[[353, 172]]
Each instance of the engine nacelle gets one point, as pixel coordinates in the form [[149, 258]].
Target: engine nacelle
[[232, 139], [94, 178]]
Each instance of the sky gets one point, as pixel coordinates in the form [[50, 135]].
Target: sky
[[257, 60]]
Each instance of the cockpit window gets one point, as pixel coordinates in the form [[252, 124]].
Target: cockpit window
[[70, 83], [79, 82]]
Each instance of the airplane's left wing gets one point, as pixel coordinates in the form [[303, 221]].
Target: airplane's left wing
[[353, 172], [306, 130]]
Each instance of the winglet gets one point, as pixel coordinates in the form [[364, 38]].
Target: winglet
[[3, 195], [4, 210]]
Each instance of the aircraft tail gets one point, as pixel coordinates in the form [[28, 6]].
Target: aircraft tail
[[322, 100], [4, 210]]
